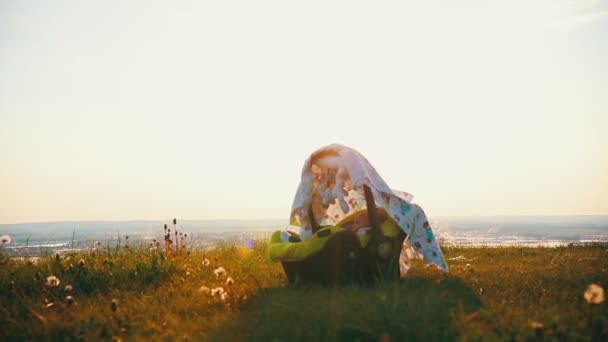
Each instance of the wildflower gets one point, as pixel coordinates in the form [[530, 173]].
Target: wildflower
[[50, 305], [69, 300], [52, 281], [594, 294], [217, 291], [206, 262], [219, 271], [229, 281], [68, 289], [204, 289], [114, 305], [536, 325], [468, 266], [538, 329], [81, 262], [224, 296], [5, 239]]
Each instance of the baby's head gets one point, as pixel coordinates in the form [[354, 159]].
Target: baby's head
[[361, 221]]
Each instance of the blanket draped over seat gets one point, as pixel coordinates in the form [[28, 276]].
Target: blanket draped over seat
[[331, 188]]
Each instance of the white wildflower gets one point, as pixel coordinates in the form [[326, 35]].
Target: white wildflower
[[594, 294], [229, 281], [224, 296], [536, 325], [468, 266], [220, 271], [52, 281], [217, 291], [204, 289], [68, 289], [206, 262], [69, 300], [5, 239]]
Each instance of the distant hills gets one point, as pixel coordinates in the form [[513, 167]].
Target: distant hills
[[87, 230], [538, 227]]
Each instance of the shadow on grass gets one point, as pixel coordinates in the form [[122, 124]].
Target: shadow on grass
[[413, 309]]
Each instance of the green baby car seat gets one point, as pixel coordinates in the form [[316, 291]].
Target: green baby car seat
[[335, 255], [338, 184], [352, 226]]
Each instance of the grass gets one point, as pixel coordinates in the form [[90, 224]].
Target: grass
[[499, 297]]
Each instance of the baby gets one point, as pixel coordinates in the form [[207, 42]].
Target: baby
[[361, 224], [360, 221]]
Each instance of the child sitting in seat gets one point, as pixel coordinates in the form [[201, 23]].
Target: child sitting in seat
[[361, 224]]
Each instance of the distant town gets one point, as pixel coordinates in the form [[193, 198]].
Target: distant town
[[60, 237]]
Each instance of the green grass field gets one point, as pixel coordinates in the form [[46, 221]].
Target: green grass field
[[135, 294]]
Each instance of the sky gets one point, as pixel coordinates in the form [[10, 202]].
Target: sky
[[116, 110]]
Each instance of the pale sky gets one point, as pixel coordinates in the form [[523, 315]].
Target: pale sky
[[114, 110]]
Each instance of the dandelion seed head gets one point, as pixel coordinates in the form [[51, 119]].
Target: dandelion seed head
[[229, 281], [52, 281], [5, 239], [217, 291], [594, 294], [536, 325], [220, 271], [468, 265]]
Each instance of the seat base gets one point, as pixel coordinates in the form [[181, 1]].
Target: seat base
[[344, 261]]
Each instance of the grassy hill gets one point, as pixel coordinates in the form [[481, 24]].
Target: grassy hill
[[138, 294]]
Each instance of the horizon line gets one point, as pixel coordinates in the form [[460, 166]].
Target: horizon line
[[276, 219]]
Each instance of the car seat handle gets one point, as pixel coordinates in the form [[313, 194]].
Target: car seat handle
[[372, 213], [380, 243], [314, 225]]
